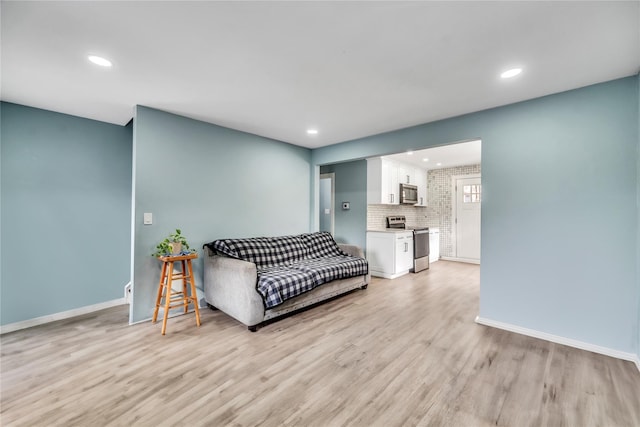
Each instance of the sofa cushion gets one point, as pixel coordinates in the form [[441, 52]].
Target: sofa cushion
[[258, 250], [263, 251], [330, 268], [278, 283], [288, 249], [321, 244]]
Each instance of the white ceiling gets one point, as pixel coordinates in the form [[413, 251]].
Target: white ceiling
[[447, 156], [349, 69]]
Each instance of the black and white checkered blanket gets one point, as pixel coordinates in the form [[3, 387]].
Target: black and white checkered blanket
[[279, 283], [291, 265]]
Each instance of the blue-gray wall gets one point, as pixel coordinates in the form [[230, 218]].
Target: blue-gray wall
[[211, 182], [559, 215], [350, 186], [561, 174], [66, 203], [638, 221]]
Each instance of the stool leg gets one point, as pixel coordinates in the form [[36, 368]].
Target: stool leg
[[185, 296], [159, 297], [167, 296], [194, 294]]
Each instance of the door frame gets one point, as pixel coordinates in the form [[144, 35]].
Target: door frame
[[332, 176], [454, 224]]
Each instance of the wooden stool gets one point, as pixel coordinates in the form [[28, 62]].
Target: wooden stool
[[173, 299]]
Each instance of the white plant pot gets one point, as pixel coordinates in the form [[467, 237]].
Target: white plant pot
[[176, 248]]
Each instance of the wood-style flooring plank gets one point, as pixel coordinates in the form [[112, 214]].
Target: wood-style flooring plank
[[404, 352]]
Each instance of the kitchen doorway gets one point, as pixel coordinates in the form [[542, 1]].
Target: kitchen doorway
[[466, 214], [327, 202]]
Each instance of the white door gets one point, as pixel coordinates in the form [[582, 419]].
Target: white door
[[327, 190], [468, 201]]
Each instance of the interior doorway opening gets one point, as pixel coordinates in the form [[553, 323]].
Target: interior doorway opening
[[327, 202], [441, 163]]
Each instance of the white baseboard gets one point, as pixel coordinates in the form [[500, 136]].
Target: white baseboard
[[177, 312], [387, 275], [467, 260], [560, 340], [174, 312], [60, 316]]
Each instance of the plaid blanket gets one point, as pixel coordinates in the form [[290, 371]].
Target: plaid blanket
[[291, 265], [279, 283], [263, 251]]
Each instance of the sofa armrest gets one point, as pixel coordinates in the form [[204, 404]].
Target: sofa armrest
[[230, 286], [352, 250], [355, 250]]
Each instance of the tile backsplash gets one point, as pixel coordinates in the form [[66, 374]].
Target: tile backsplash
[[436, 214], [377, 214]]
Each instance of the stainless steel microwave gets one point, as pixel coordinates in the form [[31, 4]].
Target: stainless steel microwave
[[408, 194]]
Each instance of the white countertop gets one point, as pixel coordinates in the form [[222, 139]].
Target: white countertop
[[388, 230], [398, 230]]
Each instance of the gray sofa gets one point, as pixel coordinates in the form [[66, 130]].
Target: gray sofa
[[236, 270]]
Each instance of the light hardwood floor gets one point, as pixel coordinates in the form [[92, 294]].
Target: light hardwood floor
[[401, 353]]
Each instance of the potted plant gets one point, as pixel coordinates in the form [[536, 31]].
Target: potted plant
[[174, 244]]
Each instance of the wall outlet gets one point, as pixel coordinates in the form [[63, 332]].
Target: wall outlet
[[127, 293]]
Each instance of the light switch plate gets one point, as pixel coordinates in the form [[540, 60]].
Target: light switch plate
[[327, 211], [148, 218]]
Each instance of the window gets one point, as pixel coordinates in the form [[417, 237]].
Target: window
[[471, 193]]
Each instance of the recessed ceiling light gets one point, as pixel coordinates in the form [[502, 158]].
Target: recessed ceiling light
[[511, 73], [438, 164], [312, 131], [425, 160], [98, 60], [409, 153]]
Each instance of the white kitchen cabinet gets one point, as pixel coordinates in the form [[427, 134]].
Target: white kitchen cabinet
[[384, 177], [406, 174], [421, 182], [434, 244], [394, 184], [382, 182], [404, 252], [390, 254]]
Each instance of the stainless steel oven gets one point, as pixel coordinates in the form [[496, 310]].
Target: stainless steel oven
[[420, 249], [420, 241]]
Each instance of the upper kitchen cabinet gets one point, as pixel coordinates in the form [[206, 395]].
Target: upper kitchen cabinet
[[421, 182], [384, 177], [407, 174], [382, 182]]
